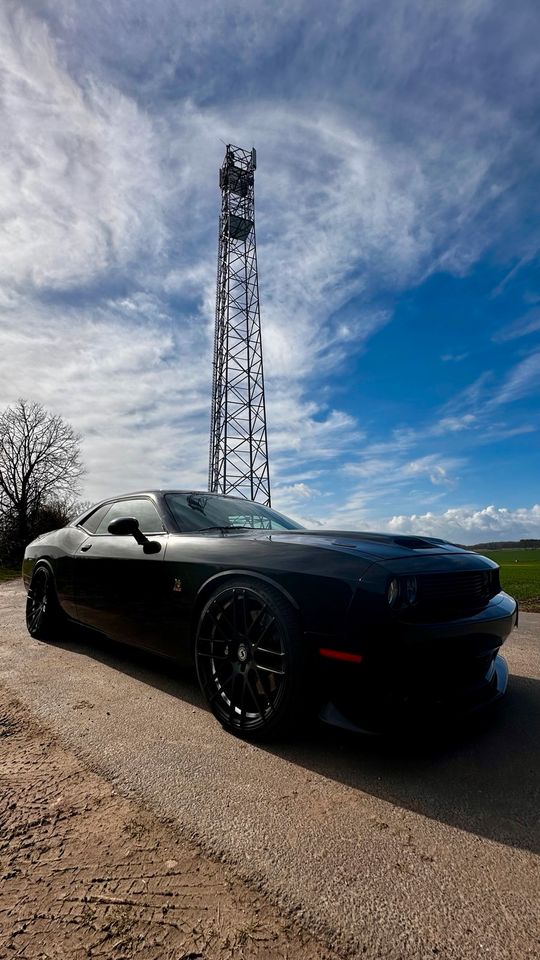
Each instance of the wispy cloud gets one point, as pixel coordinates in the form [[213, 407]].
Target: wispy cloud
[[470, 400], [453, 424], [126, 388], [513, 272], [82, 193], [384, 155], [522, 380], [432, 467], [530, 323], [382, 478]]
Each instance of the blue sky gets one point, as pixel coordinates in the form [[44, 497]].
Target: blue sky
[[398, 233]]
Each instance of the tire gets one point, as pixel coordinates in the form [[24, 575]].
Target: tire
[[44, 616], [255, 691]]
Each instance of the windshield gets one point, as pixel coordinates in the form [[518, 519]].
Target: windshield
[[201, 511]]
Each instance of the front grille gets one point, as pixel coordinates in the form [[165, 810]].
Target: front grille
[[456, 592]]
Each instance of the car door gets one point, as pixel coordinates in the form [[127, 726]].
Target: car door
[[118, 587]]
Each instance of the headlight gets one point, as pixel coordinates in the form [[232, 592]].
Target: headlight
[[410, 590], [392, 592], [402, 591]]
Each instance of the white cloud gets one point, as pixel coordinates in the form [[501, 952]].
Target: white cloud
[[470, 525], [393, 472], [92, 200], [111, 117], [298, 490], [465, 524], [432, 467], [305, 434], [342, 216], [79, 184], [454, 424], [142, 412]]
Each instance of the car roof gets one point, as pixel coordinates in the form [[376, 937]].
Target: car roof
[[151, 493], [161, 491], [146, 493]]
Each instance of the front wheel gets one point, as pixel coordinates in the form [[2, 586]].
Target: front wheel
[[43, 612], [251, 660]]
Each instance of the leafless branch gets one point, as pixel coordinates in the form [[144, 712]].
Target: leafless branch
[[39, 462]]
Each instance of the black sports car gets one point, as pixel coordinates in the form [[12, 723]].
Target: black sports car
[[280, 621]]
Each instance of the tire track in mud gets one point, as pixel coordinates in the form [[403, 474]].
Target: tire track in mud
[[87, 873]]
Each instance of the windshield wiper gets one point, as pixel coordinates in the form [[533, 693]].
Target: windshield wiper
[[223, 528]]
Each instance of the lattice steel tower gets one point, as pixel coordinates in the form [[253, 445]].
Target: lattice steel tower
[[238, 444]]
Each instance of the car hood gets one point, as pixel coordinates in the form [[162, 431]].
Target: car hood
[[372, 546]]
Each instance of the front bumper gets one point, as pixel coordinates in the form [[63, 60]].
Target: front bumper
[[418, 673], [369, 718]]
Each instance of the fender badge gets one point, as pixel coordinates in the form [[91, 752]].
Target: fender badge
[[177, 586]]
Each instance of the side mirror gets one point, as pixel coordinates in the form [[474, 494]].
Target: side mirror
[[124, 527], [129, 526]]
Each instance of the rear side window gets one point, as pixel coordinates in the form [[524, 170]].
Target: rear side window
[[92, 522], [144, 511]]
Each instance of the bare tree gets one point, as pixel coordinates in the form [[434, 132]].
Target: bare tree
[[39, 464]]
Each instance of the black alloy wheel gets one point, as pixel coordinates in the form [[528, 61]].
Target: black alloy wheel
[[43, 614], [250, 660]]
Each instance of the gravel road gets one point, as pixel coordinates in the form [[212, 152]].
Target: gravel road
[[387, 850]]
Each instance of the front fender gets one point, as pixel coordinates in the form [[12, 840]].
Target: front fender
[[28, 566], [209, 585]]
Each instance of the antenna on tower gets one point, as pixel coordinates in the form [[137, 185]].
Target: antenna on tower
[[238, 444]]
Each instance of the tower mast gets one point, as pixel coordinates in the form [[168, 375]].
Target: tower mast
[[238, 444]]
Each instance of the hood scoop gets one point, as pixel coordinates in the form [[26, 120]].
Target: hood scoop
[[415, 543], [408, 543]]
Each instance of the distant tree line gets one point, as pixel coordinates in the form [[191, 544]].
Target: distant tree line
[[40, 472], [507, 545]]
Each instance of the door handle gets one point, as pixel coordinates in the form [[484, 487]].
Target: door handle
[[88, 547]]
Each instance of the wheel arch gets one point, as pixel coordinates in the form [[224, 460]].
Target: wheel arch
[[39, 562], [225, 576]]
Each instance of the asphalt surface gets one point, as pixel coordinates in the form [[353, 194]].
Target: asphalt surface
[[415, 848]]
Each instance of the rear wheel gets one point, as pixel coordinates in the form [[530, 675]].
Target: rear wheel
[[44, 617], [251, 660]]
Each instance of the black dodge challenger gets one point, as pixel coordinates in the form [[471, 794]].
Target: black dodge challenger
[[281, 622]]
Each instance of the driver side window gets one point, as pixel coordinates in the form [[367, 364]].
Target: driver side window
[[144, 511]]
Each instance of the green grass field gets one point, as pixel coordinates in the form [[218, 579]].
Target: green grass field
[[520, 574], [7, 574]]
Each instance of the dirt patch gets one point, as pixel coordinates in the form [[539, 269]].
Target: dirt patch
[[530, 606], [87, 873]]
